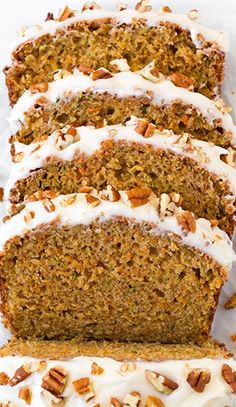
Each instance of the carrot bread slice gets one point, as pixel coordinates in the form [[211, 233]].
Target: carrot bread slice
[[173, 375], [81, 99], [176, 43], [135, 155], [128, 268]]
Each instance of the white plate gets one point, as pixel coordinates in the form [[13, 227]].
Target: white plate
[[217, 14]]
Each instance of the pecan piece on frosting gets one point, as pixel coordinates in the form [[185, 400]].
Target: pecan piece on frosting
[[198, 379], [84, 388], [86, 70], [25, 394], [90, 5], [145, 128], [229, 376], [132, 399], [231, 303], [160, 382], [143, 6], [49, 16], [92, 201], [39, 88], [48, 205], [65, 13], [52, 400], [138, 196], [181, 80], [153, 401], [55, 380], [101, 73], [96, 369], [114, 402], [121, 6], [187, 221], [20, 374], [4, 379]]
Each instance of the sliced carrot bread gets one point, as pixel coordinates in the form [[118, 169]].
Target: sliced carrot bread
[[134, 155], [100, 96], [125, 266], [176, 44]]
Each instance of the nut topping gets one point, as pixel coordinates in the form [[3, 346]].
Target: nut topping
[[39, 88], [25, 394], [161, 383], [132, 399], [55, 380], [198, 379], [181, 80], [85, 190], [49, 17], [121, 6], [138, 196], [84, 388], [4, 379], [18, 157], [65, 13], [51, 400], [68, 201], [166, 9], [127, 367], [167, 207], [48, 205], [145, 129], [153, 401], [187, 221], [92, 201], [143, 6], [115, 402], [193, 14], [113, 194], [90, 5], [29, 216], [20, 374], [231, 303], [96, 369], [229, 376], [86, 70], [101, 73]]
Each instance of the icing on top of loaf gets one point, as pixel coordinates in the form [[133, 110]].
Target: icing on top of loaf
[[139, 205]]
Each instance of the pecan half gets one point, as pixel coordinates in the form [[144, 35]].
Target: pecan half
[[139, 193], [160, 382], [198, 379], [187, 221], [101, 73], [25, 394], [92, 201], [132, 399], [181, 80], [86, 70], [55, 380], [4, 379], [153, 401], [229, 376], [231, 303], [96, 369], [84, 388], [20, 374]]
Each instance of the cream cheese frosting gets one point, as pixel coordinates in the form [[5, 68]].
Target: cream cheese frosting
[[74, 209], [118, 382], [88, 140], [121, 85], [151, 18]]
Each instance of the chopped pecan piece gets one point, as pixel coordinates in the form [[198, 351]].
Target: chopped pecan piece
[[166, 9], [115, 402], [121, 6], [144, 128], [49, 17], [55, 380], [39, 88], [198, 379], [113, 194], [139, 193], [25, 394], [143, 6], [92, 201], [48, 205], [132, 399], [29, 216], [52, 400], [127, 367], [1, 194], [229, 376], [4, 379], [187, 221], [153, 401], [96, 369], [20, 374], [193, 14], [160, 382], [181, 80], [90, 5], [231, 303], [86, 70], [18, 157], [84, 388], [101, 73], [65, 13], [85, 190]]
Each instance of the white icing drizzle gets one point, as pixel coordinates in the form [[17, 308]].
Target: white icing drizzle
[[210, 240], [152, 19], [122, 85], [115, 383], [35, 155]]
